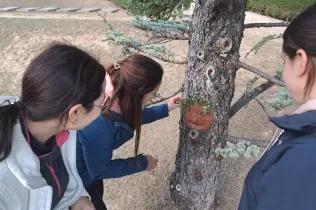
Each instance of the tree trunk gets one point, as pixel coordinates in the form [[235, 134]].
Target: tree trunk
[[215, 36]]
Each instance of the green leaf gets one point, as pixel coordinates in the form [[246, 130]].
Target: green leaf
[[155, 9], [281, 100]]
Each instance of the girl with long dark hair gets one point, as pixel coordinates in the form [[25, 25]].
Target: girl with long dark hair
[[62, 91]]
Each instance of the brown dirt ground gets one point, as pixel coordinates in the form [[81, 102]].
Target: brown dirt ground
[[22, 38]]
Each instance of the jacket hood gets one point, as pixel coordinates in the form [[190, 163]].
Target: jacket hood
[[302, 123]]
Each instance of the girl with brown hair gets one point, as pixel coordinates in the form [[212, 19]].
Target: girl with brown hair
[[131, 83], [284, 177]]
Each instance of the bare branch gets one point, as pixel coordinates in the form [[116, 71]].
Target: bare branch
[[154, 40], [161, 41], [164, 59], [173, 61], [248, 96], [251, 83], [266, 25], [103, 17], [173, 36], [139, 49], [261, 74], [259, 143], [262, 106], [161, 99]]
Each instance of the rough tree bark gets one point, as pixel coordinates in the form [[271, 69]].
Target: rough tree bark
[[215, 36]]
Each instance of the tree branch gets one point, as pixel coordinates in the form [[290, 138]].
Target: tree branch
[[247, 97], [161, 41], [139, 49], [262, 106], [154, 40], [163, 29], [259, 143], [173, 61], [266, 25], [161, 99], [171, 36], [261, 74]]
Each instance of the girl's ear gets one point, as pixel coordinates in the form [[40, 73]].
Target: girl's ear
[[75, 113], [301, 61]]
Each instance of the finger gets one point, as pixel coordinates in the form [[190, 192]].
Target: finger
[[177, 99]]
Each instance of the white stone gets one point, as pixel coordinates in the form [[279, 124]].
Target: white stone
[[28, 9], [109, 10], [48, 9], [7, 9], [68, 9], [89, 10]]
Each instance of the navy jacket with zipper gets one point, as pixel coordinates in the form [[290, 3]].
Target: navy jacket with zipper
[[96, 142], [284, 177]]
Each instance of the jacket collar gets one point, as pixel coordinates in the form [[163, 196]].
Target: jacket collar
[[303, 120], [308, 106], [23, 163]]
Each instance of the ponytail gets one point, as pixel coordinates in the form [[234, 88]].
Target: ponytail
[[137, 125], [8, 118]]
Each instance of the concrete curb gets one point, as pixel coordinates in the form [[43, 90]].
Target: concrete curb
[[28, 9], [56, 9]]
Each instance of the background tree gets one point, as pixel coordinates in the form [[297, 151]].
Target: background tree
[[214, 33]]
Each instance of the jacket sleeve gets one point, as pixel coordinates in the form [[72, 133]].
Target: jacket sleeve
[[154, 113], [290, 183], [83, 192], [98, 144]]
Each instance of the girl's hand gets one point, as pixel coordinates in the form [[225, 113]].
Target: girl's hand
[[152, 162], [83, 204], [174, 102]]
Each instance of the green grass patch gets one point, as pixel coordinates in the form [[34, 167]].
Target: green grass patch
[[280, 9], [120, 3]]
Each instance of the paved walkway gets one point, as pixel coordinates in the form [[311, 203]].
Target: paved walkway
[[105, 5]]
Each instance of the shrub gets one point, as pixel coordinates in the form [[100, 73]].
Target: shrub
[[281, 9], [155, 9]]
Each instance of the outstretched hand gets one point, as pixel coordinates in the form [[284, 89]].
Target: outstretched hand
[[174, 102], [152, 162]]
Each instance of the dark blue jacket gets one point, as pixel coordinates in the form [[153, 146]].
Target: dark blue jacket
[[96, 142], [285, 177]]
